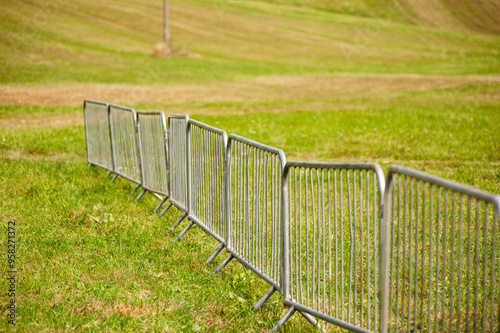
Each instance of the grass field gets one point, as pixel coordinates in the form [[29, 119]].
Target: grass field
[[364, 81]]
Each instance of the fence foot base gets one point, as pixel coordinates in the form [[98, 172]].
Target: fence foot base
[[140, 195], [283, 319], [107, 175], [264, 298], [179, 220], [214, 254], [135, 189], [223, 264], [312, 320], [88, 165], [114, 178], [164, 210], [190, 224], [160, 204]]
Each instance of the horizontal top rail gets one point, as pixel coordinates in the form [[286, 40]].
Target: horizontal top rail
[[451, 185], [123, 108], [151, 112], [339, 165], [178, 116], [209, 128], [94, 102], [270, 149]]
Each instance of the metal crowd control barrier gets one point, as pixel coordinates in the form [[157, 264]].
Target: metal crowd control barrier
[[254, 209], [152, 132], [330, 229], [97, 134], [177, 165], [124, 142], [439, 255], [206, 156]]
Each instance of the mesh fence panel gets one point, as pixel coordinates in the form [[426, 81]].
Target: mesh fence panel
[[207, 149], [333, 227], [177, 159], [125, 150], [255, 187], [97, 134], [152, 131], [443, 256]]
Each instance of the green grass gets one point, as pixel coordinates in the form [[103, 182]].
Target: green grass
[[324, 81]]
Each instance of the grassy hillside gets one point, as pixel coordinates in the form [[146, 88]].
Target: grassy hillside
[[80, 41], [385, 81]]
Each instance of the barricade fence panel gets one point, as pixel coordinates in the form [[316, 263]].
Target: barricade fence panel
[[331, 255], [124, 140], [206, 178], [314, 231], [177, 160], [97, 130], [152, 132], [443, 255], [255, 214]]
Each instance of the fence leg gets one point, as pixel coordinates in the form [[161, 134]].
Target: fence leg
[[140, 195], [135, 189], [114, 178], [283, 319], [264, 298], [223, 264], [109, 172], [312, 320], [164, 210], [160, 204], [179, 220], [214, 254], [88, 165], [190, 224]]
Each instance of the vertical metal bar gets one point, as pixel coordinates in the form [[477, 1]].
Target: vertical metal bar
[[307, 236], [335, 219], [351, 245], [284, 234], [329, 244], [485, 249], [323, 236], [384, 256], [460, 242], [342, 245], [300, 237], [476, 265], [467, 295]]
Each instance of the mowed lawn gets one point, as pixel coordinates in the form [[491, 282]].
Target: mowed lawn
[[355, 84]]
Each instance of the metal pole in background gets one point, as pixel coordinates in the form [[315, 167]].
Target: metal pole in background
[[166, 31]]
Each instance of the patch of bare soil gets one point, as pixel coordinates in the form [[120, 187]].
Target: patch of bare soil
[[267, 87], [57, 120]]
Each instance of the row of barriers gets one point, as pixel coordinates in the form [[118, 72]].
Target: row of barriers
[[340, 242]]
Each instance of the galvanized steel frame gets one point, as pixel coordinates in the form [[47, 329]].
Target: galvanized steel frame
[[174, 149], [136, 150], [110, 168], [209, 156], [282, 283], [155, 191], [386, 242], [233, 252], [295, 305]]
